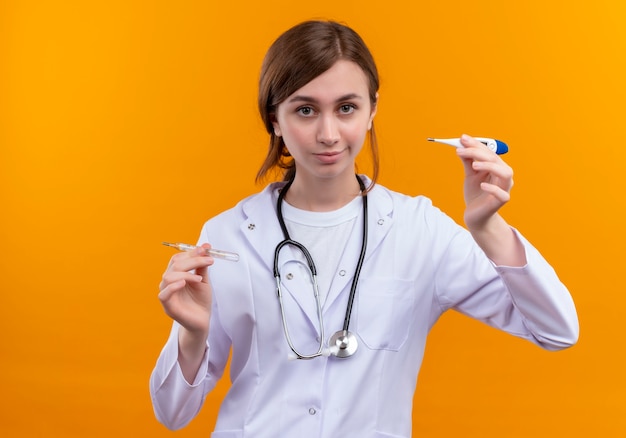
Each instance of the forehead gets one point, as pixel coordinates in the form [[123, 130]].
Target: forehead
[[344, 78]]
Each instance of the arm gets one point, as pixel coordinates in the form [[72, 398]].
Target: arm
[[183, 373], [529, 302], [545, 306]]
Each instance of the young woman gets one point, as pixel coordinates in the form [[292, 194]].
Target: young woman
[[339, 274]]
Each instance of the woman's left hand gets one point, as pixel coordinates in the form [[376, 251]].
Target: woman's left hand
[[488, 183]]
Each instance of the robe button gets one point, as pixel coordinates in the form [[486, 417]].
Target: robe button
[[251, 226], [289, 276], [312, 411], [342, 273], [381, 221]]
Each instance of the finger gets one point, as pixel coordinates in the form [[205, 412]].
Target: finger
[[191, 261], [166, 292], [173, 284], [173, 277], [468, 141], [478, 153], [204, 270], [502, 195], [495, 173], [178, 257], [498, 169]]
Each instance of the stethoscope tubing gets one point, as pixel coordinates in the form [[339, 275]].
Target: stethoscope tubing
[[346, 339], [359, 265]]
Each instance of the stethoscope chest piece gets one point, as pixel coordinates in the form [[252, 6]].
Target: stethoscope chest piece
[[343, 344]]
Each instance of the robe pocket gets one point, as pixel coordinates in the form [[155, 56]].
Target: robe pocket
[[385, 310]]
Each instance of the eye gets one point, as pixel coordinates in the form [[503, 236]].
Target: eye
[[305, 111], [347, 108]]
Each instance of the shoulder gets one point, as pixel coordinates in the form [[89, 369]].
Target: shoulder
[[400, 202], [415, 213], [255, 204]]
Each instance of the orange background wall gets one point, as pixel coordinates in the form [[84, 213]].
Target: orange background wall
[[123, 124]]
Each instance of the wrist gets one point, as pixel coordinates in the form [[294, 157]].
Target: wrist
[[499, 242], [191, 344]]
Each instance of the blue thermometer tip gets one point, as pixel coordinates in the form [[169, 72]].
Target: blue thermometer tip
[[501, 147]]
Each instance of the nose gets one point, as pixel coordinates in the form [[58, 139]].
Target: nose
[[328, 131]]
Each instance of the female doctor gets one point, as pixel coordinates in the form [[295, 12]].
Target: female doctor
[[339, 279]]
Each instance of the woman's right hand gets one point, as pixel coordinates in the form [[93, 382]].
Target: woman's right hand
[[185, 292]]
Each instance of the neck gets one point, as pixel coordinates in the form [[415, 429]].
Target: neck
[[322, 195]]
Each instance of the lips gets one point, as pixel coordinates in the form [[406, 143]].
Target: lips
[[330, 157], [330, 154]]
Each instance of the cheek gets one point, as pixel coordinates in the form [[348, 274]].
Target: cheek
[[356, 134], [296, 135]]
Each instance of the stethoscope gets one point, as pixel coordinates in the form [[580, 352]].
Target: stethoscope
[[343, 343]]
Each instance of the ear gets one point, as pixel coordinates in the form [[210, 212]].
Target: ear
[[373, 113], [277, 131]]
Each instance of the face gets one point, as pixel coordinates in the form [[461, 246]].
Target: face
[[324, 123]]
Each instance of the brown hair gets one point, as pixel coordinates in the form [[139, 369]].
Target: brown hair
[[298, 56]]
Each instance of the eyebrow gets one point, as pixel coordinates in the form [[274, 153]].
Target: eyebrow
[[309, 99]]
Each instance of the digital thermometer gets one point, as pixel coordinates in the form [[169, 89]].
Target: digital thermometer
[[497, 146]]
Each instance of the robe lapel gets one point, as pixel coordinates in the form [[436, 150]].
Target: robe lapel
[[263, 233], [379, 222]]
